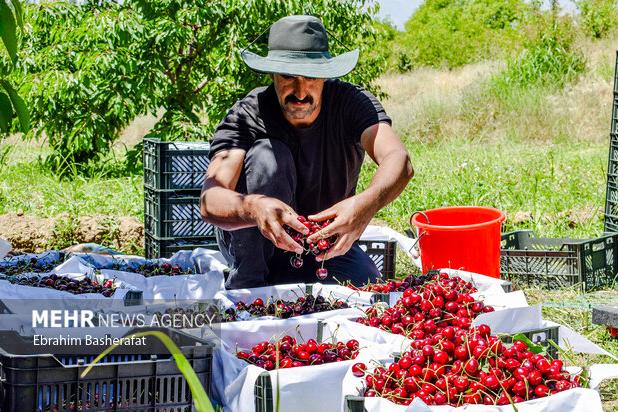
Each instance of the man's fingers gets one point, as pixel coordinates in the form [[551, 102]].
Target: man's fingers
[[284, 241], [325, 233], [292, 221], [323, 215], [281, 239], [331, 230]]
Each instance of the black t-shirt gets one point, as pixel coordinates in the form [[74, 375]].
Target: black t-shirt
[[328, 153]]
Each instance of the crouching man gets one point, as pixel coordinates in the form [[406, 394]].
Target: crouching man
[[296, 148]]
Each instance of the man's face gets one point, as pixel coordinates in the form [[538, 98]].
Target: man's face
[[300, 98]]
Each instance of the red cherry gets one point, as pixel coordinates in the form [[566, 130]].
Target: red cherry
[[352, 344], [543, 365], [258, 302], [321, 273], [323, 244], [358, 369], [541, 391], [557, 363], [535, 377], [472, 366], [441, 357], [461, 383]]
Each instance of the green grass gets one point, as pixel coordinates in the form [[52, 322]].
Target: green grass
[[26, 186], [544, 179]]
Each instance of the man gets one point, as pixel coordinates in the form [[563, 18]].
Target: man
[[296, 148]]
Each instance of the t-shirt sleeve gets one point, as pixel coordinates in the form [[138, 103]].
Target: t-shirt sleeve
[[236, 131], [362, 111]]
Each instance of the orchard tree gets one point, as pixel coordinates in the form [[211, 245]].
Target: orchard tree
[[193, 48], [82, 80], [91, 68], [11, 104]]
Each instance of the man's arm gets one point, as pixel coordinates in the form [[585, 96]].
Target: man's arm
[[352, 215], [222, 206], [394, 165]]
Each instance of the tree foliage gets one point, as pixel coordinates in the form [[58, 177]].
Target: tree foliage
[[11, 104], [598, 17], [550, 57], [453, 33], [91, 68], [83, 80]]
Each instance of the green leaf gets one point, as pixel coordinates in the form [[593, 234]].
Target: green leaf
[[7, 29], [200, 399], [6, 112], [584, 378], [531, 346], [18, 105], [18, 12]]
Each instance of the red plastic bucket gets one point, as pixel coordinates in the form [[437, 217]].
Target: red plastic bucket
[[460, 237]]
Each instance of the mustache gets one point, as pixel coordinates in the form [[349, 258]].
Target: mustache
[[293, 99]]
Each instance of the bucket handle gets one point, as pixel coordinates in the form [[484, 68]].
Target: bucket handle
[[412, 227]]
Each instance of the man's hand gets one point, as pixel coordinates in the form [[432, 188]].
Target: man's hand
[[351, 217], [270, 215]]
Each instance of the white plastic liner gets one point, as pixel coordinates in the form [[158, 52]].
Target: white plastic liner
[[307, 388]]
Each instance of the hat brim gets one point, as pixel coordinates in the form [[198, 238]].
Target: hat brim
[[334, 67]]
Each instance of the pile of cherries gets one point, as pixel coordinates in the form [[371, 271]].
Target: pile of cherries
[[415, 282], [66, 284], [427, 309], [151, 268], [304, 305], [457, 367], [33, 265], [288, 353], [321, 246]]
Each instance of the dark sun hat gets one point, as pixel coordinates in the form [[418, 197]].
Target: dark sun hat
[[298, 46]]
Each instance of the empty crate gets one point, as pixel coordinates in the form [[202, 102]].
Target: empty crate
[[174, 214], [175, 165], [529, 260]]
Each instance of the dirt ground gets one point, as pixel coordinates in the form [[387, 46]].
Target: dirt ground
[[34, 234]]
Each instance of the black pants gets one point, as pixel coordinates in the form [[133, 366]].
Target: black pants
[[254, 261]]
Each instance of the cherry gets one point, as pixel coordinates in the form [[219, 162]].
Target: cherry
[[541, 391], [321, 273], [358, 369], [323, 244], [296, 262]]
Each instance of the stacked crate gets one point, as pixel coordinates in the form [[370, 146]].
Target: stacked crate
[[173, 178]]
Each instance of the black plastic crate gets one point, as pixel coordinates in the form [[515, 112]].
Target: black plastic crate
[[539, 337], [383, 253], [175, 165], [148, 383], [611, 199], [605, 315], [526, 259], [354, 404], [174, 214], [263, 392], [155, 247]]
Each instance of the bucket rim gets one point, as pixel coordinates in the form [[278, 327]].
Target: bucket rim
[[501, 218]]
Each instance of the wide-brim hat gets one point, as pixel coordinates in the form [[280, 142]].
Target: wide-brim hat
[[298, 46]]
